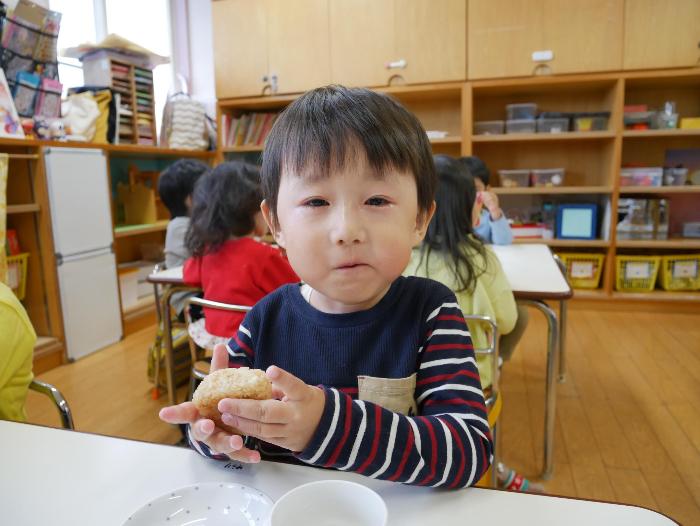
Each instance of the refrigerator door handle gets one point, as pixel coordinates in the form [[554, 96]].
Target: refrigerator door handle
[[62, 258]]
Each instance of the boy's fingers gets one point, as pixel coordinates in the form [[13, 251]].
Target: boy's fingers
[[290, 385], [184, 413], [266, 411], [219, 359], [255, 428], [202, 430]]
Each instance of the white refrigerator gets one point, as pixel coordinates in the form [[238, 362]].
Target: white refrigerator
[[83, 241]]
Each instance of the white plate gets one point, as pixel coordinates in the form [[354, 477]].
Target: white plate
[[208, 503]]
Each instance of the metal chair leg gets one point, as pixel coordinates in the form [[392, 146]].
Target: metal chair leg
[[58, 400]]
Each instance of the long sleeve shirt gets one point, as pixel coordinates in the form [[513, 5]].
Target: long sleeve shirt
[[415, 340], [494, 232]]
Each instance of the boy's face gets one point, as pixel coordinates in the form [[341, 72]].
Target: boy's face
[[350, 235]]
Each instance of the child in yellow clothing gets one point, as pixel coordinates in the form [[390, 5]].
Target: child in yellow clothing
[[454, 256], [16, 351]]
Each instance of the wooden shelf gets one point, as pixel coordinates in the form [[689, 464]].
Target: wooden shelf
[[686, 189], [143, 306], [532, 137], [658, 295], [641, 134], [682, 243], [539, 190], [47, 345], [23, 209], [447, 140], [590, 294], [243, 149], [580, 243], [135, 230]]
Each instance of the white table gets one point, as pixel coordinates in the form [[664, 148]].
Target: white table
[[535, 277], [57, 477]]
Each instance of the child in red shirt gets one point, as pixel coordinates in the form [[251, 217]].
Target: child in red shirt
[[227, 261]]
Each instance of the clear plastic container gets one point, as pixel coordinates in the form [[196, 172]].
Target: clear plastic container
[[514, 178], [552, 125], [548, 177], [488, 127], [675, 176], [520, 126], [591, 122], [641, 176], [527, 110]]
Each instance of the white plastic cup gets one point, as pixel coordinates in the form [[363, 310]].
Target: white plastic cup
[[329, 503]]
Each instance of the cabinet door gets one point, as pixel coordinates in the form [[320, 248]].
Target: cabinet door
[[240, 47], [584, 35], [431, 37], [661, 34], [502, 36], [298, 44], [362, 41]]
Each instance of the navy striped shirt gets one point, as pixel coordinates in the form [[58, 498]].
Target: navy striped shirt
[[417, 327]]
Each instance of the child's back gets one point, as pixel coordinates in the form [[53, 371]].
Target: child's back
[[228, 263]]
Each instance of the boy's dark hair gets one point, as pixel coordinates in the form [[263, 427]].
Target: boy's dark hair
[[177, 182], [476, 168], [317, 133], [224, 204], [451, 231]]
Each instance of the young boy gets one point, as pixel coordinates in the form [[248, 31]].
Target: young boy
[[373, 372], [493, 225], [175, 186]]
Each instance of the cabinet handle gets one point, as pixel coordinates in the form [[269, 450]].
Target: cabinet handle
[[397, 64], [543, 55], [271, 81]]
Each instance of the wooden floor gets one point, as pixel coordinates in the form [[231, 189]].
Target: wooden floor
[[628, 415]]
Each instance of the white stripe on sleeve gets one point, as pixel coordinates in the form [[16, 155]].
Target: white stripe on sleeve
[[448, 465], [390, 448], [416, 436], [331, 428], [446, 361], [359, 437], [443, 306], [449, 387], [245, 331]]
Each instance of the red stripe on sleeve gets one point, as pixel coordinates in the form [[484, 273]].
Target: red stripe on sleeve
[[346, 432], [446, 377], [455, 401], [375, 441], [458, 439], [446, 346], [243, 346], [433, 451], [404, 457], [451, 317]]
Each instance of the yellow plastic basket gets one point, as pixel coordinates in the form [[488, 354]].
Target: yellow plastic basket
[[582, 269], [636, 273], [17, 274], [681, 272]]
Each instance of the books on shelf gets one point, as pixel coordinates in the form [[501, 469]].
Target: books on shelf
[[247, 129]]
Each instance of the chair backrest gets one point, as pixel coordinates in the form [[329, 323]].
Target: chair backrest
[[57, 399], [194, 300], [491, 350]]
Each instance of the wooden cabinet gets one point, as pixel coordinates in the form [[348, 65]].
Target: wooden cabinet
[[582, 36], [270, 46], [361, 41], [419, 41], [661, 34]]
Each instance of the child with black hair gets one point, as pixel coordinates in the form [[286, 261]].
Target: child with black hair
[[228, 262], [372, 372], [491, 225]]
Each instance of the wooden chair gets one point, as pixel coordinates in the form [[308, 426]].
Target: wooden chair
[[201, 358], [492, 395]]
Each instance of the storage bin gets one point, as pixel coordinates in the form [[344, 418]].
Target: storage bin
[[17, 274], [639, 120], [520, 126], [514, 178], [548, 177], [593, 121], [488, 127], [527, 110], [641, 176], [680, 272], [636, 273], [583, 270], [557, 125], [675, 176]]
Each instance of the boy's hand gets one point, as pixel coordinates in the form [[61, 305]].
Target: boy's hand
[[490, 201], [289, 423], [204, 429]]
